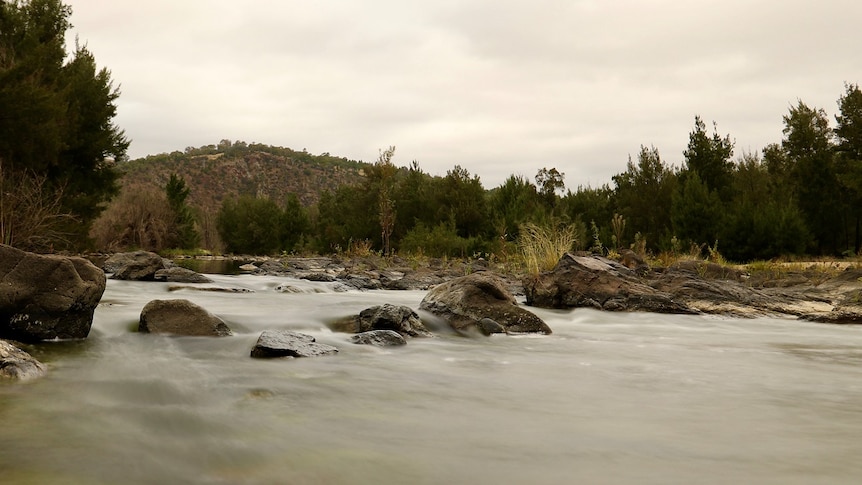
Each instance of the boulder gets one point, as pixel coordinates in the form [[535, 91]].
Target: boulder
[[181, 317], [401, 319], [286, 343], [177, 274], [466, 301], [138, 266], [379, 338], [597, 282], [15, 364], [44, 297]]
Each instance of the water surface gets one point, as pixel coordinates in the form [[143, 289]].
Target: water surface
[[607, 399]]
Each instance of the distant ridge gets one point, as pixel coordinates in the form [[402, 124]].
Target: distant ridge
[[229, 169]]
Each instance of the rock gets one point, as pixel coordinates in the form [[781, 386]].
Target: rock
[[249, 268], [401, 319], [217, 289], [287, 288], [177, 274], [138, 266], [379, 338], [285, 343], [18, 365], [181, 317], [464, 302], [44, 297], [320, 277], [842, 314], [597, 282]]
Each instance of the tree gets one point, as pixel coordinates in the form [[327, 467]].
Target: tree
[[512, 204], [462, 197], [55, 118], [549, 181], [382, 178], [294, 223], [644, 194], [250, 225], [186, 236], [848, 132], [710, 158], [808, 147], [696, 211]]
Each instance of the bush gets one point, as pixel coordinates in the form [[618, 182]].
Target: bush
[[139, 218]]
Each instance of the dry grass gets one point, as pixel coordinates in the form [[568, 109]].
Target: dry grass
[[542, 247]]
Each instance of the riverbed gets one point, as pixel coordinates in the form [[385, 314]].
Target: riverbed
[[608, 398]]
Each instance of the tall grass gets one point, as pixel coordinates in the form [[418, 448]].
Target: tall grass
[[542, 247]]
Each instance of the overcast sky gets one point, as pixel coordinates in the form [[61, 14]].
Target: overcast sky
[[499, 87]]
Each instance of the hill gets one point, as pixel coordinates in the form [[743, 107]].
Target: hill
[[229, 169]]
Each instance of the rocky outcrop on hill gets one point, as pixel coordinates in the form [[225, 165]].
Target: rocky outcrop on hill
[[469, 302], [181, 317], [45, 297]]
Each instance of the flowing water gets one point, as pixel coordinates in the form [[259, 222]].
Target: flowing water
[[609, 398]]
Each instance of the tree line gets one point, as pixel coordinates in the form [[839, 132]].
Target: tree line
[[802, 195], [60, 150]]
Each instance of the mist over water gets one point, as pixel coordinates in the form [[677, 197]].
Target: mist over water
[[608, 398]]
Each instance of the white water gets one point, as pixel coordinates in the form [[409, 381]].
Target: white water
[[607, 399]]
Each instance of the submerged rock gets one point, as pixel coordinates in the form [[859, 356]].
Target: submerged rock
[[379, 338], [468, 302], [181, 317], [15, 364], [286, 343], [44, 297]]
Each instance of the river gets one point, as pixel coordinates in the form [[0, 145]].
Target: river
[[609, 398]]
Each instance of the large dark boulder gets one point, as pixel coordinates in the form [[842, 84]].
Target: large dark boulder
[[44, 297], [286, 343], [181, 317], [597, 282], [15, 364], [138, 266], [401, 319], [474, 303]]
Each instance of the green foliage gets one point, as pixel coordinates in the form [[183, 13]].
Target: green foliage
[[56, 123], [251, 225], [808, 147], [187, 236], [697, 212], [710, 158], [440, 240], [512, 204], [644, 195]]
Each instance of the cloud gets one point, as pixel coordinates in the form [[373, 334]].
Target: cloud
[[497, 87]]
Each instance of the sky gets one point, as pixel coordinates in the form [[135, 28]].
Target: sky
[[498, 87]]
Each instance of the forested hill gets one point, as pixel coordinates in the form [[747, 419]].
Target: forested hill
[[229, 169]]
